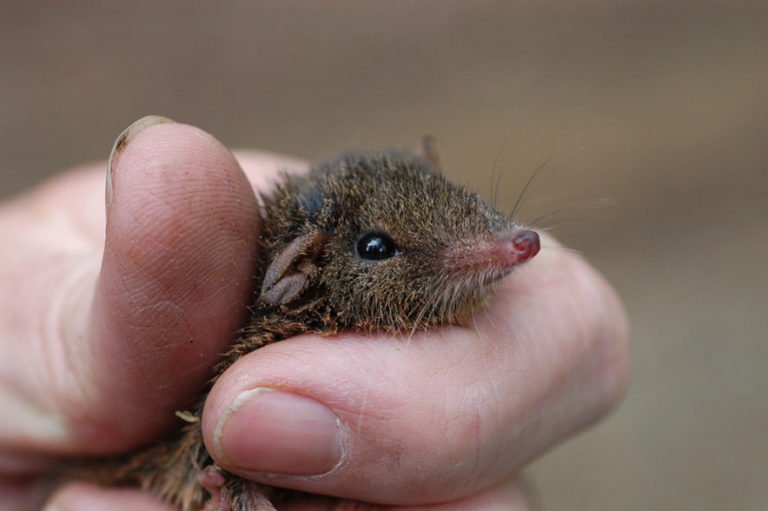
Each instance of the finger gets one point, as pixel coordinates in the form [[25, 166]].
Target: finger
[[512, 495], [439, 416], [125, 345], [181, 236], [19, 494], [86, 497], [265, 169]]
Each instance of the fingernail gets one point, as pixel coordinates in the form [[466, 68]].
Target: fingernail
[[123, 139], [266, 430]]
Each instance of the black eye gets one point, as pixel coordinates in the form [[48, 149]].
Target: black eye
[[376, 246]]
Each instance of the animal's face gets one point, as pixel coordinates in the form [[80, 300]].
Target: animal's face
[[395, 245]]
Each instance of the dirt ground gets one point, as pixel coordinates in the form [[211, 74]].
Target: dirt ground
[[659, 107]]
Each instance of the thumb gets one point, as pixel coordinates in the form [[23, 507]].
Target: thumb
[[181, 229], [174, 283]]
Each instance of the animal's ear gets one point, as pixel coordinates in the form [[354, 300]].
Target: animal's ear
[[292, 269], [429, 153]]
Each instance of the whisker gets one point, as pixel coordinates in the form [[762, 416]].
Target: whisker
[[495, 182], [474, 324], [564, 249], [578, 206], [564, 196], [497, 185], [521, 198], [419, 321]]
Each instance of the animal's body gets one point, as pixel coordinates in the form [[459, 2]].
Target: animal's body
[[367, 241]]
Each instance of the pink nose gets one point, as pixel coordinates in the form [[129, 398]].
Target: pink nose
[[526, 245]]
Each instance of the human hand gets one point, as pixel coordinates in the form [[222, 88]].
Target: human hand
[[450, 416]]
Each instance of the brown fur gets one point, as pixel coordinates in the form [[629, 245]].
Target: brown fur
[[312, 279]]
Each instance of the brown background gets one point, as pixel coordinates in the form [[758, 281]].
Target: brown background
[[661, 107]]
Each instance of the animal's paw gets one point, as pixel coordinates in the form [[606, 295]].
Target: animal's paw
[[231, 493], [213, 481]]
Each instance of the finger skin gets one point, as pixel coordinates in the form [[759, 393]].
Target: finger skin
[[19, 494], [512, 495], [181, 241], [112, 348], [86, 497], [447, 413]]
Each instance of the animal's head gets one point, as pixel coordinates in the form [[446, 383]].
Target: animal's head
[[386, 242]]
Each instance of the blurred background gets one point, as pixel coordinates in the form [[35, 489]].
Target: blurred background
[[658, 107]]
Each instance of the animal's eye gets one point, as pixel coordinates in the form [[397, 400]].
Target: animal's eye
[[376, 246]]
